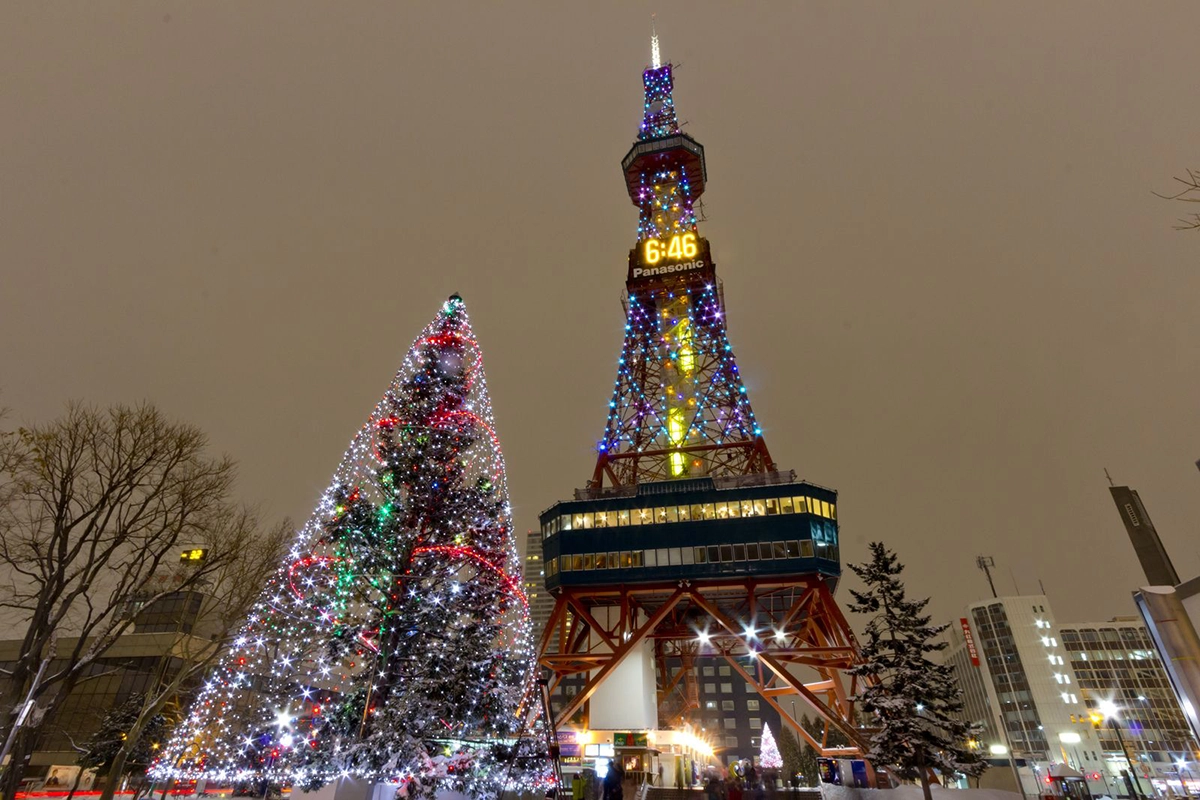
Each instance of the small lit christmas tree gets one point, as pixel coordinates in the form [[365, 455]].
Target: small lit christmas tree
[[769, 757], [394, 642]]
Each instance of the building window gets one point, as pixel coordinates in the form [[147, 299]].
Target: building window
[[731, 741], [752, 705], [708, 672], [727, 705], [724, 671], [756, 723], [726, 688], [710, 704], [730, 723], [710, 688]]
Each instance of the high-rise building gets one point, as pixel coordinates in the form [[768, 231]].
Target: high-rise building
[[534, 583], [1044, 690], [1115, 663], [1156, 564]]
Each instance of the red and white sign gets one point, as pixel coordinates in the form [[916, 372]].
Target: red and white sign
[[970, 640]]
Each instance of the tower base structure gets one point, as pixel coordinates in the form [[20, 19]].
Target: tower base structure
[[738, 570]]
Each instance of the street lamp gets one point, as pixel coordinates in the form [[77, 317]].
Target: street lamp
[[1109, 710]]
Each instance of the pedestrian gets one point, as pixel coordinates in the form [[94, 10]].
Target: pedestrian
[[613, 790], [711, 790], [577, 785]]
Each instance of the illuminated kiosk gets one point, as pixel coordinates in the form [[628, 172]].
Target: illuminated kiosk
[[688, 543]]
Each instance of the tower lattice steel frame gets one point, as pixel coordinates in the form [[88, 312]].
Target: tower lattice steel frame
[[682, 444]]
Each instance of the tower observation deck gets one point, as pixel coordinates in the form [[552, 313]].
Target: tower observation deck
[[689, 542]]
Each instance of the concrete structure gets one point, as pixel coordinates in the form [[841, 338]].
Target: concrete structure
[[1156, 564], [1041, 689], [1172, 616]]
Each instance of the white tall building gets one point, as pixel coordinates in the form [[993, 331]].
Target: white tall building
[[1033, 702], [541, 603], [1046, 684]]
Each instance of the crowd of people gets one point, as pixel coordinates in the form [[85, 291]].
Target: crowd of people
[[740, 783], [745, 784]]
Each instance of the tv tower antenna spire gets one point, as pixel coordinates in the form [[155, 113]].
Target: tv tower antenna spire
[[655, 56]]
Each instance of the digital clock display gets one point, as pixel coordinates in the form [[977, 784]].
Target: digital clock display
[[677, 248]]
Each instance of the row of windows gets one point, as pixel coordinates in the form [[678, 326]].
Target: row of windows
[[1112, 636], [680, 556], [733, 509], [729, 705]]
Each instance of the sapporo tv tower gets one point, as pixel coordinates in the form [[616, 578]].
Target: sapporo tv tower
[[689, 544]]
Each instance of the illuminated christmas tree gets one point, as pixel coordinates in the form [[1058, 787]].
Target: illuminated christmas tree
[[769, 757], [394, 642]]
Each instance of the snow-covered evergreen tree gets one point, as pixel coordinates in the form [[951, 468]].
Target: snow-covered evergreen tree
[[913, 703]]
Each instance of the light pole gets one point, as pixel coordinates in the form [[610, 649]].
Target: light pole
[[1109, 709]]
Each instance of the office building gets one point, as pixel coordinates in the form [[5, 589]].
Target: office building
[[1034, 711], [1115, 662], [1041, 689], [534, 584], [140, 661]]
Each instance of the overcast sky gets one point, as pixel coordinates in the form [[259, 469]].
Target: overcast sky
[[950, 290]]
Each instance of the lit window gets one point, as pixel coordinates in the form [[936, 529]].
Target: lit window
[[726, 688], [785, 505], [755, 723]]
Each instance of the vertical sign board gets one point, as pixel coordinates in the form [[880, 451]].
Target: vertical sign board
[[970, 640]]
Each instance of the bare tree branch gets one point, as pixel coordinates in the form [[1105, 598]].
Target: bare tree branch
[[96, 508], [1189, 192]]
